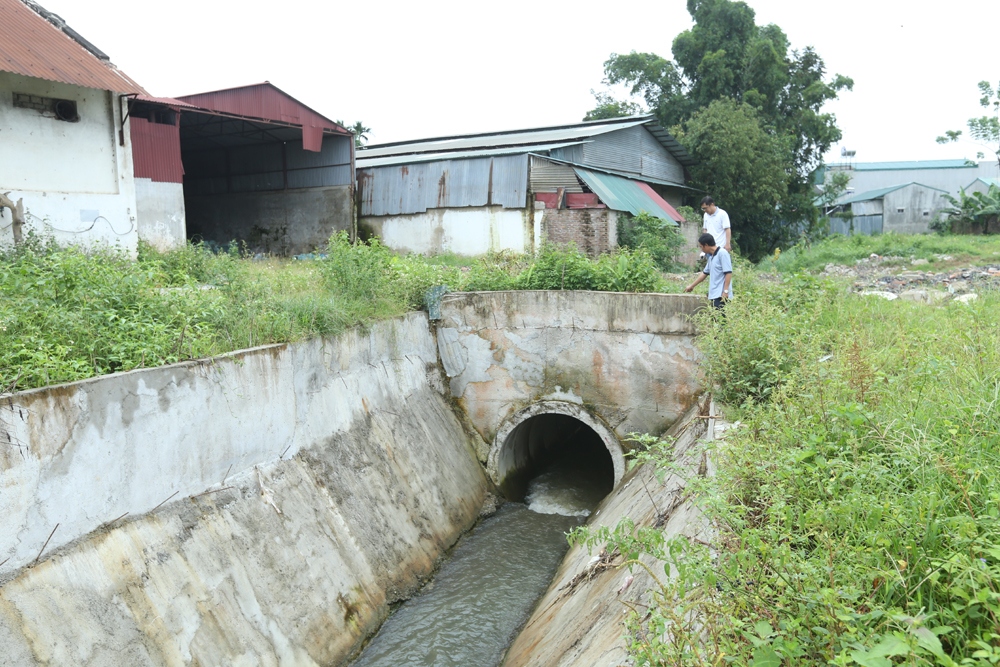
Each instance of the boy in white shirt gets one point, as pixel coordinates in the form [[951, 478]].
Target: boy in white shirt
[[716, 223]]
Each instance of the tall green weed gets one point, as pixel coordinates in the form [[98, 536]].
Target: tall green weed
[[858, 505]]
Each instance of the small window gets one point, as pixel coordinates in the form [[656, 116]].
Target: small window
[[47, 106], [900, 210], [927, 214]]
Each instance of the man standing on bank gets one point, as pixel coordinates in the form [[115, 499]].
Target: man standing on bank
[[718, 268], [716, 223]]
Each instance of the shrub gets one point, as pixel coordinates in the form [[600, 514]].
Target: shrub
[[661, 239]]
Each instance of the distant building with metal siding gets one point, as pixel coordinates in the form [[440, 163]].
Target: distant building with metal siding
[[948, 175], [511, 190], [904, 209]]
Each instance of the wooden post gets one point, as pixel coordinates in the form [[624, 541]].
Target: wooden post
[[17, 213]]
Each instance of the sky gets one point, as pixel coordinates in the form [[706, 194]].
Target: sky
[[425, 69]]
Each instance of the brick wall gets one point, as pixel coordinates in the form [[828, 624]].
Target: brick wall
[[593, 230]]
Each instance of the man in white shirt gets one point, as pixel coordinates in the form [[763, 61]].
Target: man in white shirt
[[716, 223]]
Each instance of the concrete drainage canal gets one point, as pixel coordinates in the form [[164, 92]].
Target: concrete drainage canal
[[557, 468], [304, 504]]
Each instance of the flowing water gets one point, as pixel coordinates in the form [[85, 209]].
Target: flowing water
[[472, 610]]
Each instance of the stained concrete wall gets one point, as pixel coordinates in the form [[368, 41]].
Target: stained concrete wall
[[75, 179], [578, 621], [160, 214], [628, 359], [470, 231], [336, 474], [280, 222]]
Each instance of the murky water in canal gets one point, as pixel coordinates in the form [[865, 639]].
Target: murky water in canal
[[472, 610]]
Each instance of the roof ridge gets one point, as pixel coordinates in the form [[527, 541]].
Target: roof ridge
[[604, 121]]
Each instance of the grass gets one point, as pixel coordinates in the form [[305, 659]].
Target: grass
[[67, 315], [847, 250], [858, 505]]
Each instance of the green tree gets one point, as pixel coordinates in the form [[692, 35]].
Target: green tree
[[968, 212], [660, 238], [753, 173], [727, 56], [360, 132], [609, 107], [984, 130]]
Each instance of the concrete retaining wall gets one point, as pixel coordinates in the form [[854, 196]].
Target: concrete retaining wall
[[336, 474], [628, 359]]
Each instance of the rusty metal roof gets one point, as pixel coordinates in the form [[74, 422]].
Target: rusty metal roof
[[39, 44], [264, 101]]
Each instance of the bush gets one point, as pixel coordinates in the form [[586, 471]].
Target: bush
[[658, 237], [856, 507]]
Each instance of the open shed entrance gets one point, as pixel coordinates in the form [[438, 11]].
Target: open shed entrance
[[253, 182]]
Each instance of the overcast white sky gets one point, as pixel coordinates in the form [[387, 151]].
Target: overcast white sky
[[421, 69]]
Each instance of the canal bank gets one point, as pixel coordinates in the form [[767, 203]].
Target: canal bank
[[270, 506]]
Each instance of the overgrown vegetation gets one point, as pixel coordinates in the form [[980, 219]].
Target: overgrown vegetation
[[857, 504], [661, 239], [970, 213], [66, 314], [847, 250]]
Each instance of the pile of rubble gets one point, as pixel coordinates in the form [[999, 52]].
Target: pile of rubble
[[896, 277]]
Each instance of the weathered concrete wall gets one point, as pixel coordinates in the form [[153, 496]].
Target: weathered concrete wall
[[337, 473], [629, 359], [75, 179], [160, 214], [469, 231], [281, 222], [578, 622]]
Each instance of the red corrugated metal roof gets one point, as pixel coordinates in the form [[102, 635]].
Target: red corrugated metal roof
[[33, 46], [166, 101], [264, 101]]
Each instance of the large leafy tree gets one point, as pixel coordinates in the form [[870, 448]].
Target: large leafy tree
[[727, 56]]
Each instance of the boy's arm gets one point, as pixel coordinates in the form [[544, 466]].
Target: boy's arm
[[729, 240], [725, 286]]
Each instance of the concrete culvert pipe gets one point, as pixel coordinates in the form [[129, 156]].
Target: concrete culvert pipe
[[555, 435]]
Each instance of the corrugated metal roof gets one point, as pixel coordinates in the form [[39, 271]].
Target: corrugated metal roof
[[915, 164], [532, 136], [624, 194], [549, 176], [984, 180], [156, 151], [264, 101], [39, 44], [878, 194], [366, 162]]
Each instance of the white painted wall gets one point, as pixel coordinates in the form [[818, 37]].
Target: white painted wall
[[464, 231], [75, 179], [160, 213]]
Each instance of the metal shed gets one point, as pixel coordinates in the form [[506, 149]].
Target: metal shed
[[514, 189], [257, 166], [908, 208]]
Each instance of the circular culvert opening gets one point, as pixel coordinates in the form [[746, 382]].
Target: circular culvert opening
[[557, 464]]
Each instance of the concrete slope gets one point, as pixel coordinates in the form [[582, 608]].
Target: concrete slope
[[350, 475]]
